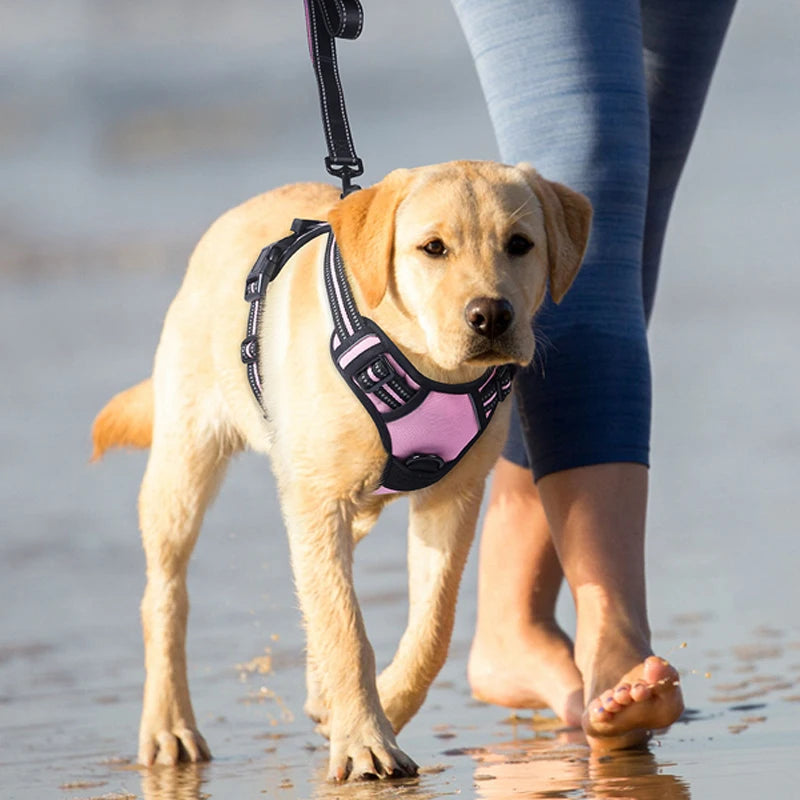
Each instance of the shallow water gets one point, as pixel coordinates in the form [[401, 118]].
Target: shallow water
[[122, 134]]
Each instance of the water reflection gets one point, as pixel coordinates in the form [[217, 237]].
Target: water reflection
[[553, 765], [561, 766], [637, 775], [182, 782], [412, 788]]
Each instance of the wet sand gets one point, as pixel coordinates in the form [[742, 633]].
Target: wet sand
[[118, 145]]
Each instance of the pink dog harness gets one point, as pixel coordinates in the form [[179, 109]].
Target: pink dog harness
[[426, 427]]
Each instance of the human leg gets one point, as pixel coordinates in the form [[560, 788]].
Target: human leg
[[578, 111], [654, 701], [542, 68], [597, 518], [681, 43], [682, 40], [520, 657]]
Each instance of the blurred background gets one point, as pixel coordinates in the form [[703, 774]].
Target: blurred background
[[125, 129]]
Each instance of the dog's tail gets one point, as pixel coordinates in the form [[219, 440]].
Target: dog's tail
[[126, 420]]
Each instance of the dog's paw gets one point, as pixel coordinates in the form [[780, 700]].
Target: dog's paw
[[368, 755], [161, 744]]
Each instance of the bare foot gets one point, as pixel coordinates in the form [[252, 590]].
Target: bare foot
[[532, 669], [648, 697]]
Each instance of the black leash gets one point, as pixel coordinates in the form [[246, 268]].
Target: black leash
[[328, 20]]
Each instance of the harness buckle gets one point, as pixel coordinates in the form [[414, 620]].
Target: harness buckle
[[267, 266], [382, 371], [249, 350], [301, 226]]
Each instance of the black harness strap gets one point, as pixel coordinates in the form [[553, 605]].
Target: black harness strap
[[328, 20], [268, 264]]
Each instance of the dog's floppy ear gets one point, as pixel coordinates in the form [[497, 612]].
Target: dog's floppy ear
[[567, 221], [363, 224]]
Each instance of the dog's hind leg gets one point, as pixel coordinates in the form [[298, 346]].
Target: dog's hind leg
[[187, 462], [441, 528]]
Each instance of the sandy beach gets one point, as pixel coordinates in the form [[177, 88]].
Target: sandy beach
[[124, 131]]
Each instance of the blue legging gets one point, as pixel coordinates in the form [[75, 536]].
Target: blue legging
[[605, 96]]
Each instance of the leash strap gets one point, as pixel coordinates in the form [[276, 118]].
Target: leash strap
[[326, 21]]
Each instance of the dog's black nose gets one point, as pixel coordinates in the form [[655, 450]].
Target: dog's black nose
[[488, 316]]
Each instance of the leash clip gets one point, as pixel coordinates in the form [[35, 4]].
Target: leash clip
[[344, 169]]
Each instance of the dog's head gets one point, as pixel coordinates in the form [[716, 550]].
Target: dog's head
[[456, 258]]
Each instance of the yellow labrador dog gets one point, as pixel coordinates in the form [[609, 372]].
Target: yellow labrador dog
[[422, 250]]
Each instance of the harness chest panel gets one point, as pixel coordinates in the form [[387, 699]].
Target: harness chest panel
[[426, 427]]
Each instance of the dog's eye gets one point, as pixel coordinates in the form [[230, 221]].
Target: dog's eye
[[518, 245], [435, 248]]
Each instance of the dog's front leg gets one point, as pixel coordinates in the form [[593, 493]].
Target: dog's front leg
[[362, 744], [441, 529]]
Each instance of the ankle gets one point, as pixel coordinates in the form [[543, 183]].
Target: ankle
[[608, 650], [610, 631], [600, 611], [497, 643]]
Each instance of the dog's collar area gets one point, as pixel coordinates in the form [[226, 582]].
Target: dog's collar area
[[426, 427]]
